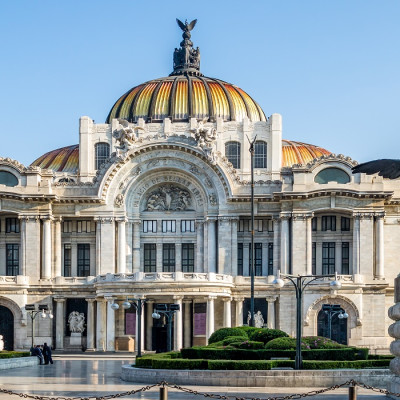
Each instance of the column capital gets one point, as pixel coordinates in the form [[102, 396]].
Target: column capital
[[46, 218], [302, 216], [285, 216], [363, 215], [187, 301], [271, 299], [199, 222], [105, 220], [380, 214], [57, 219], [59, 300], [276, 218], [238, 298], [177, 298], [121, 220], [90, 300], [226, 299], [210, 220], [136, 222], [211, 298], [29, 218]]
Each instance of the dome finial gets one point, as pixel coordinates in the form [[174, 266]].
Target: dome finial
[[186, 59]]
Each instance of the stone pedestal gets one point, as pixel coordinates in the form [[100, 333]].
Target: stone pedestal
[[75, 339]]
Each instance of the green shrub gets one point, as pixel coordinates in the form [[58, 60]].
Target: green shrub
[[179, 363], [248, 345], [233, 339], [14, 354], [357, 364], [282, 343], [265, 335], [247, 329], [321, 342], [239, 365], [223, 333], [380, 356]]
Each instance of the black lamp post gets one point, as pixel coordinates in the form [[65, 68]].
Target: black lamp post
[[138, 304], [168, 310], [43, 310], [300, 282]]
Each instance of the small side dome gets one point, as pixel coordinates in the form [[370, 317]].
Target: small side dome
[[65, 159], [300, 153], [332, 174], [8, 179]]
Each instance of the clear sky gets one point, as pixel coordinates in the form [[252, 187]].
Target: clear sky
[[331, 68]]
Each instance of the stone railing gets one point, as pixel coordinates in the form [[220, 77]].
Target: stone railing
[[184, 277], [14, 280], [258, 280]]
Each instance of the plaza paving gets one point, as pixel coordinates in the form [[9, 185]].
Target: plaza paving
[[79, 376]]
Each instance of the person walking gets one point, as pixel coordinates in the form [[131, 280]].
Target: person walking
[[47, 354]]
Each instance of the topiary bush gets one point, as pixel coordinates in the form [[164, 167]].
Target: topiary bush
[[223, 333], [265, 335], [321, 342], [233, 339], [282, 343], [248, 345], [247, 329]]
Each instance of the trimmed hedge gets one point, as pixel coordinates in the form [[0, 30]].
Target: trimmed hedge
[[14, 354], [232, 339], [307, 343], [223, 333], [265, 335], [239, 365], [147, 360], [179, 363], [248, 345]]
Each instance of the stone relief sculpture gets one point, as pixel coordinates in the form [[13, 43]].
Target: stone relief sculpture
[[119, 200], [213, 199], [76, 322], [205, 137], [169, 198], [258, 319], [125, 136]]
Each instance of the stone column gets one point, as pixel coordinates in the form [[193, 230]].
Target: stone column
[[234, 245], [178, 257], [129, 242], [284, 265], [149, 326], [309, 244], [32, 247], [106, 257], [101, 325], [187, 325], [110, 325], [178, 342], [380, 247], [57, 247], [276, 251], [239, 310], [60, 323], [136, 246], [271, 312], [121, 265], [224, 246], [356, 244], [90, 325], [98, 246], [22, 269], [212, 245], [46, 248], [227, 312], [199, 266], [299, 244], [210, 315], [137, 330]]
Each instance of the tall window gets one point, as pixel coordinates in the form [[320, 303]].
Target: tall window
[[150, 226], [187, 225], [314, 258], [232, 153], [67, 259], [270, 259], [83, 259], [240, 259], [67, 226], [260, 155], [168, 226], [257, 258], [84, 226], [328, 258], [12, 225], [345, 258], [168, 257], [12, 259], [187, 257], [345, 224], [314, 223], [101, 153], [150, 263], [328, 223]]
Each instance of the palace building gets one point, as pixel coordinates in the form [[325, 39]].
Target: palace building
[[155, 204]]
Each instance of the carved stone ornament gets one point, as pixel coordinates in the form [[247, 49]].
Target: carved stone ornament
[[76, 322], [258, 319], [205, 138], [119, 200], [169, 198], [213, 199], [126, 136]]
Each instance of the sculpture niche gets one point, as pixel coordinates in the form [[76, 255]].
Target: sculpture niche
[[76, 322], [205, 137]]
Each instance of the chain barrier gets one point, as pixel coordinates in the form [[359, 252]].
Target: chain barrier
[[204, 394]]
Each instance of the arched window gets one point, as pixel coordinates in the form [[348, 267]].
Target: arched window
[[260, 154], [332, 175], [232, 153], [102, 152], [8, 179]]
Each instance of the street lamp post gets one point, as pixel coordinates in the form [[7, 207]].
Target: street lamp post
[[138, 304], [252, 263], [331, 310], [300, 282], [168, 310], [43, 310]]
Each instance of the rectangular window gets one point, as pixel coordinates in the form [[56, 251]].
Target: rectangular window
[[314, 258], [149, 226], [258, 225], [187, 225], [67, 226], [345, 224], [328, 258], [270, 225], [67, 259], [240, 260], [12, 259], [260, 154], [83, 259], [270, 259], [328, 223], [257, 258], [187, 257], [12, 225], [168, 257], [84, 226], [150, 257], [244, 225], [168, 226], [314, 224], [345, 258]]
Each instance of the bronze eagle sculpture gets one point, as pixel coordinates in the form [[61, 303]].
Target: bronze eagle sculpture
[[185, 26], [388, 168]]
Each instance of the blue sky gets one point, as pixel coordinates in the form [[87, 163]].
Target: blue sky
[[331, 68]]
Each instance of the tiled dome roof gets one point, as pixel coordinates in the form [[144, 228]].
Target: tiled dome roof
[[300, 153]]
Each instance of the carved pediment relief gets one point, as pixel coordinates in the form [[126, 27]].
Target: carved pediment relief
[[169, 198]]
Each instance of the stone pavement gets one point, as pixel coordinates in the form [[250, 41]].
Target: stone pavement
[[78, 376]]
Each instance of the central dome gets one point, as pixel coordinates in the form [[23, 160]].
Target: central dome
[[183, 97]]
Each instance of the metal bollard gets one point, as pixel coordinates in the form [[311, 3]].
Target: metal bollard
[[352, 393], [164, 393]]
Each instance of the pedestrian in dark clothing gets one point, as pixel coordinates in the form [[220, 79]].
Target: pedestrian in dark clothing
[[47, 354], [38, 353]]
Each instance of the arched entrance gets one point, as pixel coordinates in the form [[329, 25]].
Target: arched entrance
[[331, 325], [7, 327]]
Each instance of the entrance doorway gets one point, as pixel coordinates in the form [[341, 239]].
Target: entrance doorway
[[159, 334], [330, 325], [7, 327]]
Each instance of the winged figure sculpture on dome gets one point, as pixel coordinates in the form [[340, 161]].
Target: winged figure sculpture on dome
[[185, 26], [388, 168]]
